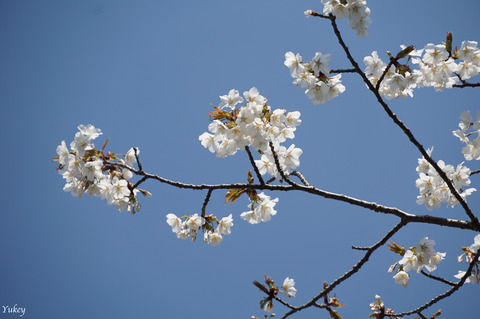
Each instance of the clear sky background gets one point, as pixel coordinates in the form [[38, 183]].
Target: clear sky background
[[146, 72]]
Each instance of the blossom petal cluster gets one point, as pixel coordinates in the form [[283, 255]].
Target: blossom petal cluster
[[416, 258], [312, 76], [356, 11], [434, 190], [397, 81], [440, 69], [85, 172], [256, 126], [260, 210], [466, 134], [470, 252], [436, 67], [188, 227]]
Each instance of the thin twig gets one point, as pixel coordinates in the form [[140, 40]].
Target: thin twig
[[421, 315], [343, 71], [384, 73], [140, 181], [445, 281], [286, 304], [402, 126], [301, 177], [255, 168], [277, 164], [135, 150], [205, 202], [360, 248], [352, 271], [447, 293]]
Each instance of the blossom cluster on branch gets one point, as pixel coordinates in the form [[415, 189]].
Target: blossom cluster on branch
[[466, 132], [253, 124], [469, 253], [312, 76], [356, 11], [85, 171], [434, 190], [188, 226], [438, 66], [415, 258]]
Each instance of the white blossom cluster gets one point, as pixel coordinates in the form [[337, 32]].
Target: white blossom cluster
[[472, 149], [85, 173], [433, 189], [356, 11], [396, 83], [254, 125], [189, 226], [437, 68], [474, 277], [415, 258], [312, 76], [261, 210]]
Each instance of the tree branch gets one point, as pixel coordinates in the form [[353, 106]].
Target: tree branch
[[448, 282], [402, 126], [205, 202], [352, 271], [434, 220], [343, 71], [447, 293], [279, 168], [255, 168]]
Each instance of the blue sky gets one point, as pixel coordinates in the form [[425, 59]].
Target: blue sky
[[146, 72]]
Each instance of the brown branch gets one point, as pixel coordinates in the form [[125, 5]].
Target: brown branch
[[286, 304], [205, 202], [421, 315], [466, 84], [301, 177], [138, 160], [445, 281], [352, 271], [384, 73], [447, 293], [434, 220], [343, 71], [143, 179], [277, 164], [402, 126], [255, 168]]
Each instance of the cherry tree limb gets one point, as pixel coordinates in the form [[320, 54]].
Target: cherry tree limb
[[447, 293], [255, 168], [349, 273], [400, 124], [448, 282], [434, 220], [205, 202]]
